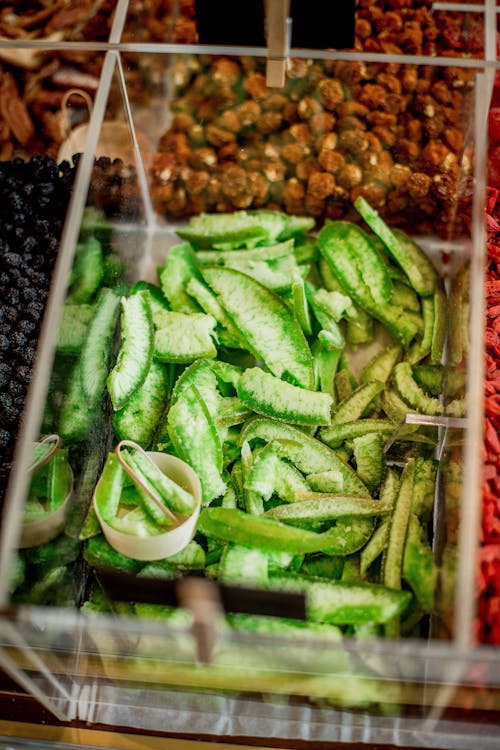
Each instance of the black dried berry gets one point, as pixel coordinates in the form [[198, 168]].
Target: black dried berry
[[23, 373], [15, 388], [13, 260], [18, 339], [4, 373], [28, 355]]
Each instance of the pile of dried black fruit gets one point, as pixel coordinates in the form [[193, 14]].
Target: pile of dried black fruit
[[34, 198]]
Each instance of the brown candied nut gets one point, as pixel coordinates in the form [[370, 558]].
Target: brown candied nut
[[441, 92], [305, 168], [335, 210], [196, 135], [327, 141], [389, 21], [182, 122], [14, 111], [434, 154], [352, 109], [430, 207], [372, 192], [247, 113], [386, 137], [350, 123], [269, 122], [275, 102], [297, 68], [457, 78], [399, 175], [373, 44], [389, 48], [213, 190], [406, 151], [454, 138], [235, 185], [414, 129], [295, 152], [290, 114], [363, 28], [323, 122], [229, 120], [352, 141], [300, 132], [162, 195], [165, 168], [331, 161], [372, 95], [408, 78], [377, 118], [349, 175], [314, 206], [274, 171], [330, 92], [294, 196], [418, 185], [397, 203], [395, 103], [376, 164], [176, 143], [196, 183], [390, 82], [203, 158], [374, 143], [218, 136], [226, 71], [308, 106], [411, 39], [320, 185], [228, 152], [259, 188], [255, 85], [177, 205]]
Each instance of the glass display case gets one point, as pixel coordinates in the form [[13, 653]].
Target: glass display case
[[240, 632]]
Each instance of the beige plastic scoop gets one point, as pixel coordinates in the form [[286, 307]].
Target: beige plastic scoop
[[46, 528], [173, 540], [115, 140]]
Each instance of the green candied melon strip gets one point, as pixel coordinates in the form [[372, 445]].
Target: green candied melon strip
[[136, 350], [266, 324], [236, 227], [267, 534], [369, 263], [73, 327], [88, 271], [307, 453], [180, 266], [185, 337], [265, 394], [96, 350], [194, 436], [341, 256], [139, 418], [345, 603], [262, 252], [319, 506], [413, 261]]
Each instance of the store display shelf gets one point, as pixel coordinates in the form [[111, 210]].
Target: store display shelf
[[165, 140]]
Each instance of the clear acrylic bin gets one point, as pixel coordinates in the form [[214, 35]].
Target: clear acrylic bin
[[124, 669]]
